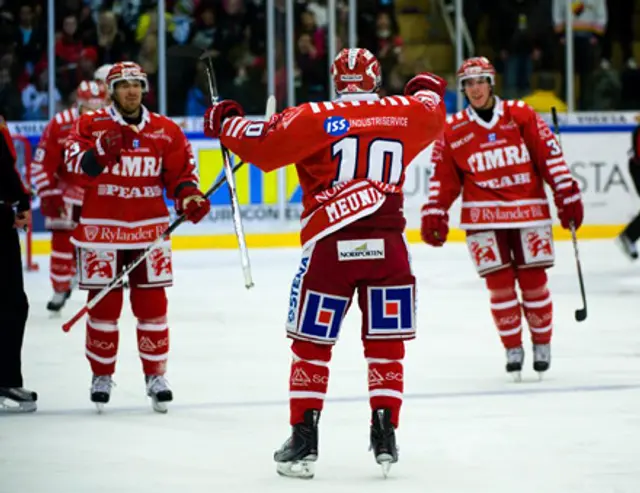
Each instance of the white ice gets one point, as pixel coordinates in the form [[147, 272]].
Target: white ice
[[465, 427]]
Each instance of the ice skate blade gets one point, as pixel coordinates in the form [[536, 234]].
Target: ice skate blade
[[99, 407], [53, 314], [10, 406], [301, 469], [159, 407], [517, 376], [541, 376], [385, 461]]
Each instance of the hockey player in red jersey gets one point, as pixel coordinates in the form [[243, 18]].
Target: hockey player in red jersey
[[58, 188], [498, 155], [129, 157], [351, 155]]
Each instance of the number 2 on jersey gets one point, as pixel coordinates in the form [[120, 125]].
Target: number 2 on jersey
[[384, 160]]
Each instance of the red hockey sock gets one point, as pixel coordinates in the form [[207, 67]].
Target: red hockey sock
[[537, 305], [386, 376], [150, 308], [62, 267], [102, 333], [505, 308], [309, 378]]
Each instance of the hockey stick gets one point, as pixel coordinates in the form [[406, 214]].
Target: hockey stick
[[145, 253], [231, 183], [581, 313]]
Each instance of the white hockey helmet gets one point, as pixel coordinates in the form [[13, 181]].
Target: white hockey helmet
[[102, 72]]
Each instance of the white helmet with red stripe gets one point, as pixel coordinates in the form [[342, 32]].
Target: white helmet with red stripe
[[126, 71], [91, 94], [102, 72], [476, 67], [356, 70]]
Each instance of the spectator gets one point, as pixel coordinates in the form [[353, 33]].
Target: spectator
[[198, 99], [30, 41], [10, 100], [389, 54], [515, 34], [544, 97], [620, 27], [313, 70], [87, 65], [108, 39], [589, 21], [35, 97]]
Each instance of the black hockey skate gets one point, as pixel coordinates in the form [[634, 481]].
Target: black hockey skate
[[159, 391], [541, 358], [17, 400], [383, 439], [515, 358], [101, 390], [627, 246], [58, 300], [297, 457]]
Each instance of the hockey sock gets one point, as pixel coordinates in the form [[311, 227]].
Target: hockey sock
[[505, 307], [102, 333], [537, 305], [386, 376], [150, 308], [62, 266], [309, 378]]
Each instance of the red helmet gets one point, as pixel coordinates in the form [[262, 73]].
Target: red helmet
[[91, 93], [356, 70], [476, 67], [126, 71]]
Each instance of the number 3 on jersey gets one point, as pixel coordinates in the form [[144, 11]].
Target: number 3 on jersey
[[383, 160]]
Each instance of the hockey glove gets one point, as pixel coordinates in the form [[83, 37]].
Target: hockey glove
[[51, 202], [569, 204], [108, 147], [215, 115], [193, 204], [426, 82], [435, 226]]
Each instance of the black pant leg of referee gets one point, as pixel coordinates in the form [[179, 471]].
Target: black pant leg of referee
[[14, 307]]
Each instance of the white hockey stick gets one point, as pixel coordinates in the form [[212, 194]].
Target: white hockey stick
[[231, 183]]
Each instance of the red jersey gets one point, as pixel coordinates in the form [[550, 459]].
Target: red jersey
[[500, 166], [124, 207], [350, 155], [49, 172]]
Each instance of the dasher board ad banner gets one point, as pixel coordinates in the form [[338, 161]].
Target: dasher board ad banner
[[271, 202]]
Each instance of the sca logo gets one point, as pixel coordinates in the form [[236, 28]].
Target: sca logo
[[336, 126]]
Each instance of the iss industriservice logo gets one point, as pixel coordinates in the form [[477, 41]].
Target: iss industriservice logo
[[336, 126]]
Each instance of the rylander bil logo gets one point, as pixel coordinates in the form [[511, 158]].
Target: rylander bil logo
[[361, 249]]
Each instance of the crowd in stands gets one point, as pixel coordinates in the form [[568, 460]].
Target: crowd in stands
[[525, 39]]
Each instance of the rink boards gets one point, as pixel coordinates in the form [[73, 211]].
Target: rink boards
[[596, 149]]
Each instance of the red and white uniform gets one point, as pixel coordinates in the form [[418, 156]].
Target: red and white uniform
[[51, 177], [500, 168], [123, 212], [351, 156], [124, 207]]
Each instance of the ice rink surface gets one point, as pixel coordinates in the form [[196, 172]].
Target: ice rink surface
[[465, 427]]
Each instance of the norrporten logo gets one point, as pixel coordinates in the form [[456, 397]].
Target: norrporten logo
[[361, 249]]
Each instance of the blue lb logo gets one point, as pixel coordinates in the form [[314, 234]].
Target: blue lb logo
[[336, 126]]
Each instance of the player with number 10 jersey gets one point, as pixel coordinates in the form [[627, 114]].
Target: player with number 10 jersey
[[351, 155]]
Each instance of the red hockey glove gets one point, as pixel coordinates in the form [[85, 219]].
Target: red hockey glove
[[569, 203], [435, 226], [216, 114], [193, 204], [426, 82], [51, 202], [108, 147]]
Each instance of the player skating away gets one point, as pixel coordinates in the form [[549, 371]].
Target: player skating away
[[351, 155], [59, 188], [129, 157], [499, 154]]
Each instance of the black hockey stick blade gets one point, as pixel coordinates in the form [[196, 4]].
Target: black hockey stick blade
[[580, 313]]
